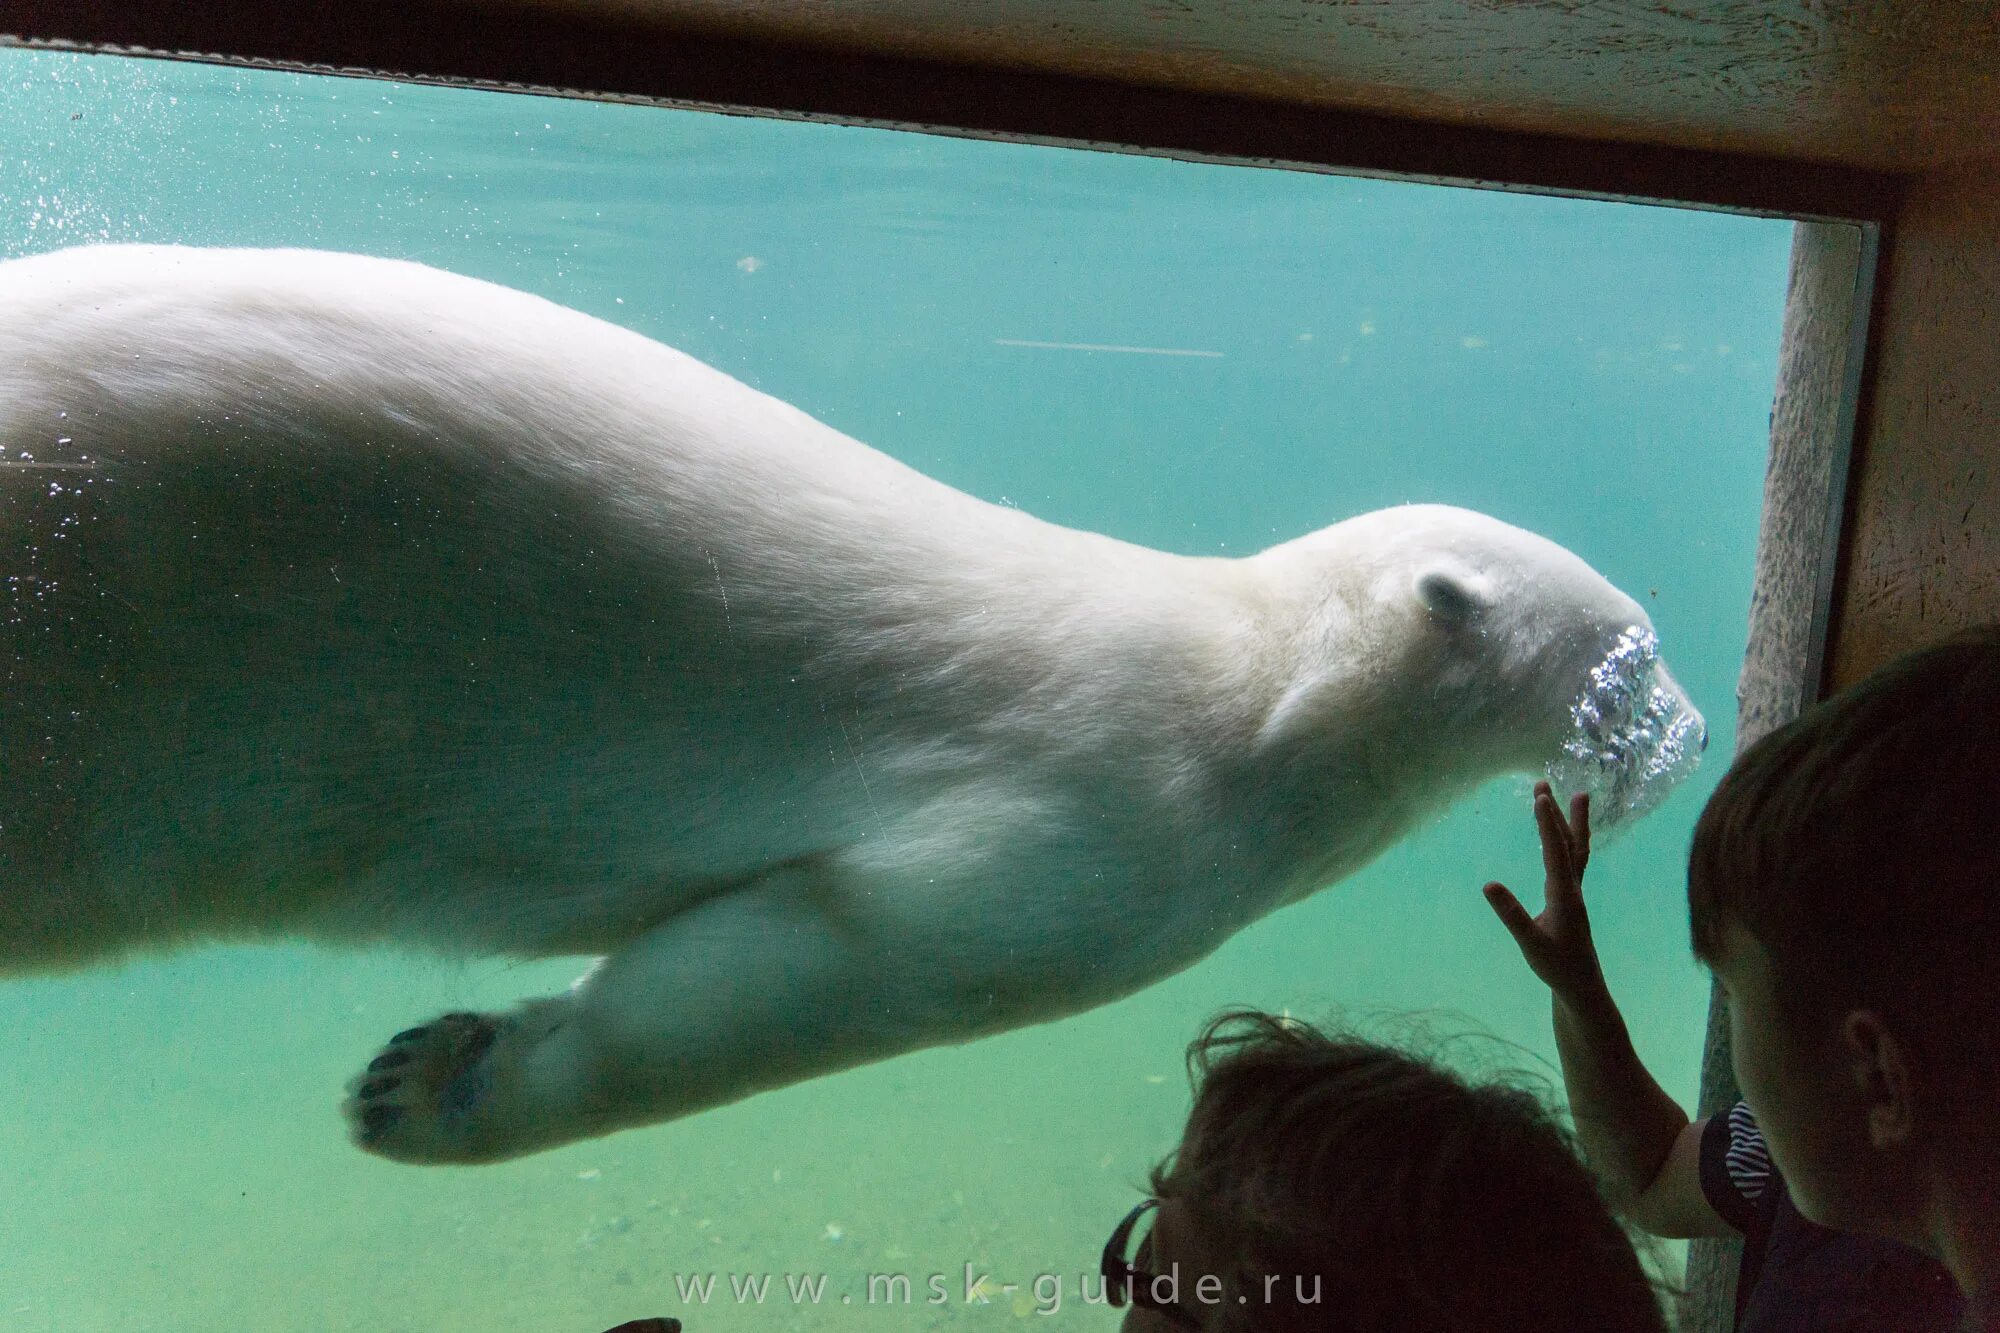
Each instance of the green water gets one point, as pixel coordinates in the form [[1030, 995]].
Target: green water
[[170, 1152]]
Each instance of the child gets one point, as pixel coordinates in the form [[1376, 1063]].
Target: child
[[1327, 1183], [1844, 888]]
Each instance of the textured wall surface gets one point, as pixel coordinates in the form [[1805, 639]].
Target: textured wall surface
[[1878, 83], [1805, 478], [1923, 554], [1887, 85]]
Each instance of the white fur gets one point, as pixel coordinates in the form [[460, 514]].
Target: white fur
[[374, 602]]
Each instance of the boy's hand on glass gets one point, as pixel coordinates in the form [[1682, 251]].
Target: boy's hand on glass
[[1556, 943]]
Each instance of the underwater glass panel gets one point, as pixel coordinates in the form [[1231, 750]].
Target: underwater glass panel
[[1200, 358]]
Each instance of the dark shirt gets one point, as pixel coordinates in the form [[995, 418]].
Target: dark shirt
[[1797, 1276]]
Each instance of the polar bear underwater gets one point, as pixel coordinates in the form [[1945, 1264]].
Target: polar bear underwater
[[352, 600]]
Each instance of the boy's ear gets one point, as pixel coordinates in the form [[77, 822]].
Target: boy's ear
[[1883, 1076]]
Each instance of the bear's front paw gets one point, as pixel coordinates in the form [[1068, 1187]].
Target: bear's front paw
[[420, 1100]]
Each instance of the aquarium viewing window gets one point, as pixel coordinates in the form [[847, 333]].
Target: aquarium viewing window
[[1194, 356]]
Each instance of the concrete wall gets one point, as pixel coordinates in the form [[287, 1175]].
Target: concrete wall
[[1923, 544]]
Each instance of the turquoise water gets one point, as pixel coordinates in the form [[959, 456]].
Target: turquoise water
[[170, 1152]]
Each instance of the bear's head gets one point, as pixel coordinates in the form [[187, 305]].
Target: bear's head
[[1434, 647]]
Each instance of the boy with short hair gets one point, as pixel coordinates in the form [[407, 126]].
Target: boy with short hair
[[1844, 888]]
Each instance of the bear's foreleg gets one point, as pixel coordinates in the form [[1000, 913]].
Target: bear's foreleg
[[788, 978]]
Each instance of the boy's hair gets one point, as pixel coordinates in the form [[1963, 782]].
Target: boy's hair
[[1411, 1200], [1860, 846]]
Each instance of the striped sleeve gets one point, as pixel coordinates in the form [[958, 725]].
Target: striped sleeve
[[1735, 1166], [1749, 1161]]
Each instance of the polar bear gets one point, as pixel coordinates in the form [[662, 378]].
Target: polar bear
[[350, 599]]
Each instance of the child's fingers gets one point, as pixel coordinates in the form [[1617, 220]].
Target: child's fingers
[[1555, 836], [1512, 915], [1579, 828]]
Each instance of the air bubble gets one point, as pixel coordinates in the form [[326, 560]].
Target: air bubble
[[1631, 738]]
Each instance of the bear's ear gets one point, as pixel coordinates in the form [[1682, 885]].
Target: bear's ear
[[1454, 595]]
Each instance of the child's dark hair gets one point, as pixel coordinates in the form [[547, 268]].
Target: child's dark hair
[[1421, 1202], [1860, 846]]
